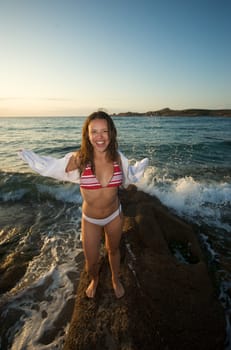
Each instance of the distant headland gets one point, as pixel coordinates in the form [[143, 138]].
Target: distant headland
[[167, 112]]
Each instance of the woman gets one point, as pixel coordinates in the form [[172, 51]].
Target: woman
[[99, 168], [101, 175]]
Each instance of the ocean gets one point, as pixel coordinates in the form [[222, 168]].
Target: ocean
[[40, 219]]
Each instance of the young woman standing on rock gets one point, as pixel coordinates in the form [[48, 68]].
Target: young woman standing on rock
[[100, 169], [99, 164]]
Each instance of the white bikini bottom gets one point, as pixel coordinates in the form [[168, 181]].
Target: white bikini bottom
[[104, 221]]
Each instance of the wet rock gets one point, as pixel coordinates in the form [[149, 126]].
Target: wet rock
[[170, 302]]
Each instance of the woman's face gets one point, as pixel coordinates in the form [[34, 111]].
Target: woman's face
[[99, 134]]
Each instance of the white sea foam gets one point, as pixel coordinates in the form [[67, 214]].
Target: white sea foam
[[213, 254], [38, 319], [65, 192], [47, 288], [196, 200]]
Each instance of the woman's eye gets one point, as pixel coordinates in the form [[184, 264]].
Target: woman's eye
[[94, 132]]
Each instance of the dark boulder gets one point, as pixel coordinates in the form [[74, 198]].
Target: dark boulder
[[170, 302]]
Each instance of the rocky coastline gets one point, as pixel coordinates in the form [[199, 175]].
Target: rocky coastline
[[170, 301], [167, 112]]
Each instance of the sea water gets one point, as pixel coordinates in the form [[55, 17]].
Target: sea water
[[40, 218]]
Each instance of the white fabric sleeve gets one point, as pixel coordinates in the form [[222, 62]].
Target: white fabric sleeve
[[132, 173], [49, 166]]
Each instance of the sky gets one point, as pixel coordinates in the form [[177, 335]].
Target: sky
[[72, 57]]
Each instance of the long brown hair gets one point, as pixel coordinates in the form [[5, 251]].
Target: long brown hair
[[86, 151]]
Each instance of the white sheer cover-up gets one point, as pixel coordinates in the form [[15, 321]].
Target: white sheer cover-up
[[55, 167]]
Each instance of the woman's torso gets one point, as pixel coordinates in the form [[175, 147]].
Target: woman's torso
[[100, 189], [100, 203]]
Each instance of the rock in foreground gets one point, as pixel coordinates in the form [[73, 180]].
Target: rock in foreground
[[170, 302]]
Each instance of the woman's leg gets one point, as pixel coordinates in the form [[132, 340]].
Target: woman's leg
[[91, 237], [113, 233]]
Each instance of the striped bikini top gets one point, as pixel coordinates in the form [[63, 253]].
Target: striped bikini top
[[89, 181]]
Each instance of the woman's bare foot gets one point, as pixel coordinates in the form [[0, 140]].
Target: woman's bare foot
[[118, 289], [91, 289]]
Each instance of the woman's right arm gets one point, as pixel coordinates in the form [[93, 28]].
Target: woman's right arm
[[73, 163]]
